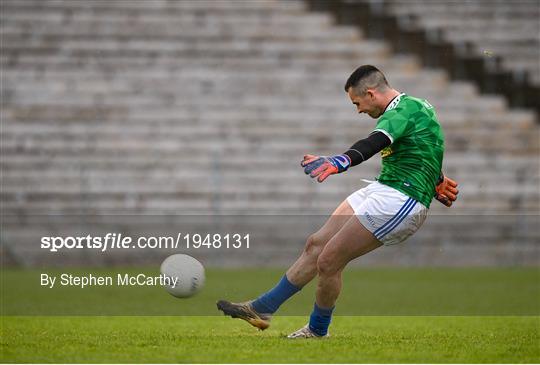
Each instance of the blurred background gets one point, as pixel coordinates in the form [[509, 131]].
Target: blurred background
[[178, 109]]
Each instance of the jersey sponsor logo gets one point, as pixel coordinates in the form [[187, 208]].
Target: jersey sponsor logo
[[387, 151]]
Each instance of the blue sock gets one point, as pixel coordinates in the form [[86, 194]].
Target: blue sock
[[320, 320], [270, 301]]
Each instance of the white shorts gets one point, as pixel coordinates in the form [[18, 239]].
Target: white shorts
[[387, 213]]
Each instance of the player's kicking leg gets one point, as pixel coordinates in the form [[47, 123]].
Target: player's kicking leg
[[352, 241], [258, 312]]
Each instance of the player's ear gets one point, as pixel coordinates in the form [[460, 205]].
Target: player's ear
[[370, 94]]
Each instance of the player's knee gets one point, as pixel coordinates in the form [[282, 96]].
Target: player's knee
[[314, 245], [326, 266]]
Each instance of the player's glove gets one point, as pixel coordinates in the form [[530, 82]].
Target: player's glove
[[446, 190], [323, 166]]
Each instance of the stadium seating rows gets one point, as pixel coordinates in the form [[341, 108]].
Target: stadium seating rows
[[510, 30], [165, 107]]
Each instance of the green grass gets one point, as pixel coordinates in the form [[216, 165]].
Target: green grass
[[224, 340], [383, 315], [379, 292]]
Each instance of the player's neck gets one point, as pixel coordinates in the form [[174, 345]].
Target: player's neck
[[388, 96]]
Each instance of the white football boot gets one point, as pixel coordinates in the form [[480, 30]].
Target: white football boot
[[306, 332]]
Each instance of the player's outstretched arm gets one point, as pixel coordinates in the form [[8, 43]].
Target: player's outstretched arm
[[321, 167], [446, 190]]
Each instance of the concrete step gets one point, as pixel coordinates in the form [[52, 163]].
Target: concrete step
[[23, 99], [234, 134], [495, 36], [87, 118], [158, 7], [463, 163], [505, 26], [33, 168], [474, 115], [68, 95], [56, 33], [120, 18], [478, 10], [184, 85], [235, 145], [249, 125], [291, 178], [219, 49], [155, 4], [297, 110], [59, 62], [237, 203], [522, 169]]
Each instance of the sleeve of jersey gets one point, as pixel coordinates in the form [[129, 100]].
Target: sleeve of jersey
[[367, 147], [392, 124]]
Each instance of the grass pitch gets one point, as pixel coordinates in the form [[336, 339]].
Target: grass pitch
[[224, 340], [400, 316]]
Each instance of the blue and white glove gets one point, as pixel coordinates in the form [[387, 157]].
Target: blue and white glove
[[323, 166]]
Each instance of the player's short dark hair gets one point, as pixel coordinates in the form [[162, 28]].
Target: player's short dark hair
[[366, 77]]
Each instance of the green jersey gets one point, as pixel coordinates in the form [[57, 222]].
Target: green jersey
[[413, 161]]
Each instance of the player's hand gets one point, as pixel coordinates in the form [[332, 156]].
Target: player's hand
[[323, 166], [446, 191]]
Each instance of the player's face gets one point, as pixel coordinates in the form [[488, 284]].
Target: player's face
[[366, 103]]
